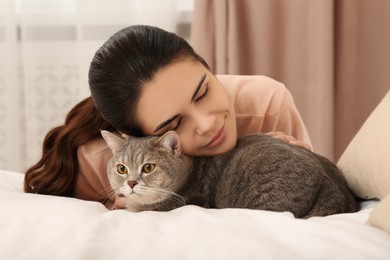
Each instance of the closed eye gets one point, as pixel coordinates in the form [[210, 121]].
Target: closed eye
[[178, 124], [204, 94], [206, 91]]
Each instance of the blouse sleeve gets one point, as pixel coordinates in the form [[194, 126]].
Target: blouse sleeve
[[264, 105], [93, 183], [286, 118]]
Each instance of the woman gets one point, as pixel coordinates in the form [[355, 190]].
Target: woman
[[146, 81]]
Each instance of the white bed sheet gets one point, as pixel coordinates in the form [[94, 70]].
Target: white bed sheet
[[48, 227]]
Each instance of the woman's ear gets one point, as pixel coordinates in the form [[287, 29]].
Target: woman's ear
[[171, 141], [113, 141]]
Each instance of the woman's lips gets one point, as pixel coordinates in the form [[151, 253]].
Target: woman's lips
[[218, 138]]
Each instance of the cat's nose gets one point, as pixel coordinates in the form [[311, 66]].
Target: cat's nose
[[132, 183]]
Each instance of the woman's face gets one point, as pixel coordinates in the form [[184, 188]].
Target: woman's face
[[187, 98]]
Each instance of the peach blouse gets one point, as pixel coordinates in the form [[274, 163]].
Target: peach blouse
[[261, 105]]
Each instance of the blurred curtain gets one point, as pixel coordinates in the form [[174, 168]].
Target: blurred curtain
[[333, 55], [45, 50]]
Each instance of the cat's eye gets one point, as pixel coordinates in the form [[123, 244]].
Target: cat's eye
[[121, 169], [148, 167]]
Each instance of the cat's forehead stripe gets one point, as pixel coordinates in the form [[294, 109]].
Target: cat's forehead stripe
[[139, 157]]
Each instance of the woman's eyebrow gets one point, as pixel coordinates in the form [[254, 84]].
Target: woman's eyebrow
[[167, 122], [198, 88]]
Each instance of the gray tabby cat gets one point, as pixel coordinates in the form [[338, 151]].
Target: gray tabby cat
[[262, 172]]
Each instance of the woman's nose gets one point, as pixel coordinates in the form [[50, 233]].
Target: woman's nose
[[204, 123]]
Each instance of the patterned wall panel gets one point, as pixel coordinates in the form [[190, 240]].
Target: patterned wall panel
[[11, 119], [51, 89], [3, 135]]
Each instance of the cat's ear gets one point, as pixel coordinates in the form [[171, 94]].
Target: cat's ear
[[112, 140], [171, 141]]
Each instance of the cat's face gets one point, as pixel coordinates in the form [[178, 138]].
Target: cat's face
[[146, 171]]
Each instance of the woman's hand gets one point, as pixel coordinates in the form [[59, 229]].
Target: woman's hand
[[119, 203], [289, 139]]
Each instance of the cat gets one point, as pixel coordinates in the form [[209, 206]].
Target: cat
[[261, 172]]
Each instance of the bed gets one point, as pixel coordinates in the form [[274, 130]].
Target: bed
[[48, 227]]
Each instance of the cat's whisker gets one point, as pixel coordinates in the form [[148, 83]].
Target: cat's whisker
[[106, 191], [178, 198], [109, 193], [172, 196]]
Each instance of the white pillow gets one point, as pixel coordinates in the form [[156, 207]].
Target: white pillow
[[366, 161], [380, 215]]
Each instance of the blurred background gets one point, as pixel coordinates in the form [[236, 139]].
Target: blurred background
[[333, 56], [45, 50]]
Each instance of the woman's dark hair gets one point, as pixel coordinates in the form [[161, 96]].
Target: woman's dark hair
[[125, 63], [119, 69]]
